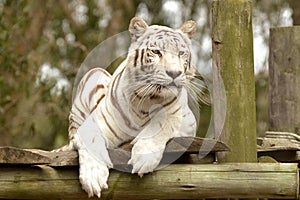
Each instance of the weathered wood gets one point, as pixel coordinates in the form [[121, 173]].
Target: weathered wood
[[282, 146], [233, 68], [239, 180], [12, 155], [178, 146], [284, 81], [278, 141]]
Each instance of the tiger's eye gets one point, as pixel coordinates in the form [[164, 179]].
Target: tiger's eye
[[155, 51], [180, 53]]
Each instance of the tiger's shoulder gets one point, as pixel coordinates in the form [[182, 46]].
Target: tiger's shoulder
[[90, 92]]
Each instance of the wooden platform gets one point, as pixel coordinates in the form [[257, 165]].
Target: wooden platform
[[37, 174]]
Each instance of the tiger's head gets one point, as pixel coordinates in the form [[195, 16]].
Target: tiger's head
[[160, 59]]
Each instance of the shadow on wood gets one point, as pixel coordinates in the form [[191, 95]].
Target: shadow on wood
[[187, 145]]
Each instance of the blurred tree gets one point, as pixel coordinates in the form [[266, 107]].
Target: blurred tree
[[34, 35], [30, 114]]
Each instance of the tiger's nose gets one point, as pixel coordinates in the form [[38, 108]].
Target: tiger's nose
[[173, 74]]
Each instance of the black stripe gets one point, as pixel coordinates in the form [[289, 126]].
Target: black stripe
[[176, 111], [146, 123], [98, 87], [163, 31], [89, 74], [142, 57], [170, 102], [190, 60], [134, 111], [80, 111], [164, 105], [83, 104], [97, 103], [110, 128], [72, 121], [95, 90], [136, 57], [114, 101], [72, 127]]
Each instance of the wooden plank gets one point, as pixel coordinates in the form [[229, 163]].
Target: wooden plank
[[178, 146], [233, 72], [284, 81], [278, 141], [238, 180], [12, 155]]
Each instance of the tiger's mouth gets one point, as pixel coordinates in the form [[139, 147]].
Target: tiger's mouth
[[170, 85], [173, 84], [165, 90], [159, 90]]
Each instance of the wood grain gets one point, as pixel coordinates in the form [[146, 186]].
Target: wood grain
[[233, 79], [284, 81], [184, 181]]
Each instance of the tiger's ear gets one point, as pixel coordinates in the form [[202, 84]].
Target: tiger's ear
[[189, 28], [137, 28]]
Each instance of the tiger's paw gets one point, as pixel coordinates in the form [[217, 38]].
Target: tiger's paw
[[142, 160], [93, 177]]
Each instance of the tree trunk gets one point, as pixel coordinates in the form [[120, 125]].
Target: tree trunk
[[233, 76], [284, 81]]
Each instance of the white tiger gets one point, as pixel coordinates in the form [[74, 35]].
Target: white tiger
[[145, 101]]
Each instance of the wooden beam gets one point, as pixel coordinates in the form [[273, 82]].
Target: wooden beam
[[284, 79], [185, 181], [120, 156], [233, 72]]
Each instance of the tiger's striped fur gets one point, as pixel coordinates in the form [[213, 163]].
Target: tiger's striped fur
[[145, 101]]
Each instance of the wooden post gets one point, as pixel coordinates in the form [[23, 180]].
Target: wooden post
[[233, 65], [284, 79], [184, 181]]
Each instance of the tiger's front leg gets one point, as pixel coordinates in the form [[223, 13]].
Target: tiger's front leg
[[94, 161], [146, 155], [150, 144]]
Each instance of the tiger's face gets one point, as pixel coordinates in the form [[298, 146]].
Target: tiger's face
[[161, 59]]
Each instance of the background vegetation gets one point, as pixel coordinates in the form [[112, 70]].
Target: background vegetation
[[43, 43]]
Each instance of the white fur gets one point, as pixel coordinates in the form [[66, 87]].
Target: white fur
[[149, 135], [94, 160]]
